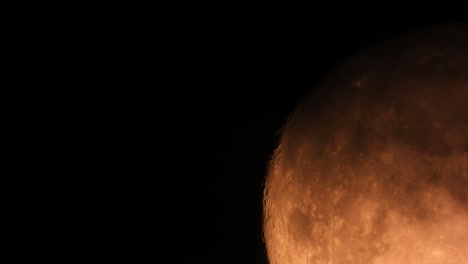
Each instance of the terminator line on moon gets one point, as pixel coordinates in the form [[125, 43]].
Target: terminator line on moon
[[372, 167]]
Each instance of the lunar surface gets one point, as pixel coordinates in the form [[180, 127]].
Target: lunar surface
[[372, 166]]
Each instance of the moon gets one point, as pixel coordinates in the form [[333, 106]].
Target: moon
[[372, 166]]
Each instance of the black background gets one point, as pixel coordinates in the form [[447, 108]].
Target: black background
[[127, 130]]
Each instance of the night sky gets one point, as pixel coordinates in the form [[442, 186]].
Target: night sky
[[143, 129]]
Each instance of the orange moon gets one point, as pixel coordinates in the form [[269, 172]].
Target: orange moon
[[372, 166]]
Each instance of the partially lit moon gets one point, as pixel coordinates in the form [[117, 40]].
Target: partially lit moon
[[372, 167]]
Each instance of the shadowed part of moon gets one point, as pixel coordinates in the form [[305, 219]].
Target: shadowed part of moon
[[372, 167]]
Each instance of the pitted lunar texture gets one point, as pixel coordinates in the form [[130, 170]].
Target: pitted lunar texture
[[372, 166]]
